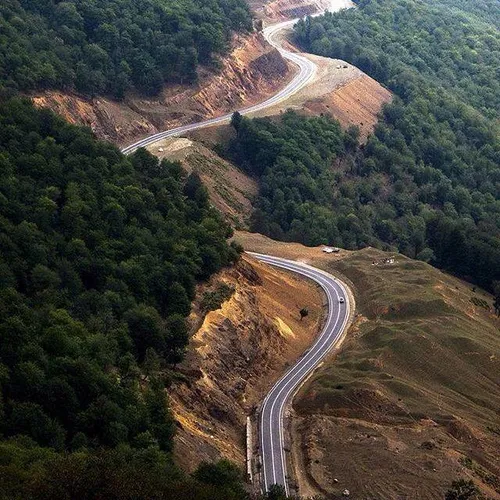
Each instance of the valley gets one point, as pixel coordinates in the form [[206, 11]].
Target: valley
[[384, 421], [151, 346]]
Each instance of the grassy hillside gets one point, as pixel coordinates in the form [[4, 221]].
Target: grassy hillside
[[231, 191], [412, 399]]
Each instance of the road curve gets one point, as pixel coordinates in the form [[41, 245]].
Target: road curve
[[272, 446], [307, 69]]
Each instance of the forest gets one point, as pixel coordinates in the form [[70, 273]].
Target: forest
[[112, 46], [427, 183], [99, 257]]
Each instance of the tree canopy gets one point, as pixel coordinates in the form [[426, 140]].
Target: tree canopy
[[111, 46], [427, 183], [99, 257]]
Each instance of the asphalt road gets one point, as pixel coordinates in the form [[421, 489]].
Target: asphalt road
[[272, 446], [307, 70], [272, 413]]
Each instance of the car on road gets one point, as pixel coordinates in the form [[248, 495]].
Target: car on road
[[341, 300]]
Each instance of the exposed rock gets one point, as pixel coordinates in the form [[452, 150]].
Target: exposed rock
[[240, 352]]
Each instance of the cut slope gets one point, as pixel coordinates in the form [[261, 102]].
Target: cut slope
[[242, 349], [358, 103], [253, 71], [278, 10]]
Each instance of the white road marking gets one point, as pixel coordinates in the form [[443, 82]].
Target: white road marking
[[284, 388]]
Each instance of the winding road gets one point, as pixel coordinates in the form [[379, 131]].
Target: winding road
[[272, 414], [307, 70], [274, 467]]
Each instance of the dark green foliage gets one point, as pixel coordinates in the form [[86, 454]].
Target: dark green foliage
[[303, 313], [222, 474], [438, 145], [427, 183], [28, 472], [213, 299], [111, 46], [319, 193], [411, 45], [99, 256], [276, 492], [462, 489], [292, 159]]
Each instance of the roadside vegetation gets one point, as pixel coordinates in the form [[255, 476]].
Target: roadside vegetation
[[109, 47]]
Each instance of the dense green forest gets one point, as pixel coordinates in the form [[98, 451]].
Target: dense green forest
[[110, 46], [99, 257], [427, 183], [417, 48]]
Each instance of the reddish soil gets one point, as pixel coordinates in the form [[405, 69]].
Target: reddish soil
[[358, 102], [251, 73]]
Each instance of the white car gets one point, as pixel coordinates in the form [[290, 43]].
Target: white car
[[341, 300]]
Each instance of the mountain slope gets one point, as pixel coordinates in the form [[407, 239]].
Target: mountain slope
[[412, 400], [410, 403], [113, 46], [99, 258]]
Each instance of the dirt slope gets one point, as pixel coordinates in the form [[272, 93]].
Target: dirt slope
[[357, 102], [231, 190], [279, 10], [235, 354], [338, 89], [412, 401], [252, 72]]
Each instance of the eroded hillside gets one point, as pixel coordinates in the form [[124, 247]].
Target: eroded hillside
[[236, 353], [278, 10], [253, 71], [411, 402]]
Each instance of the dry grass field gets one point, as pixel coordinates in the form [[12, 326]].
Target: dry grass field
[[412, 401]]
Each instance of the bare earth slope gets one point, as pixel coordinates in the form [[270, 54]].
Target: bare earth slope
[[252, 72], [235, 354], [357, 102], [279, 10], [412, 401]]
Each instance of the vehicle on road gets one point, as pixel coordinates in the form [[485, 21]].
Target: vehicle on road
[[341, 300], [272, 414]]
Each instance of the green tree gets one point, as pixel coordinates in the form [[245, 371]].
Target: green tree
[[303, 313], [462, 489]]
